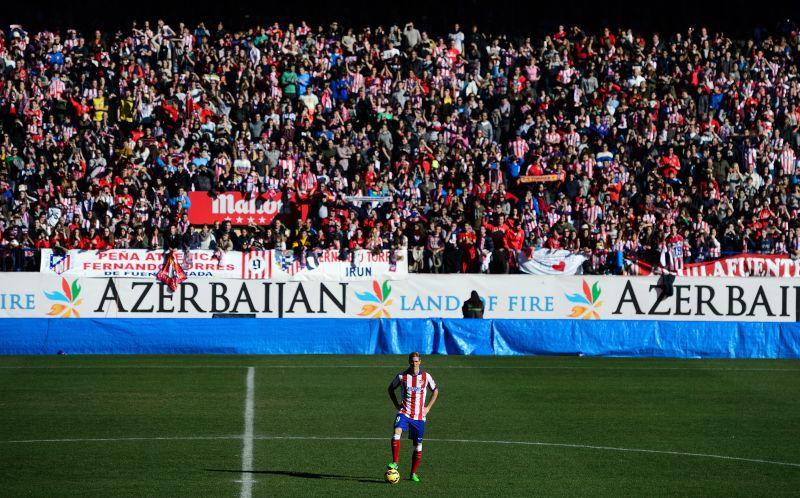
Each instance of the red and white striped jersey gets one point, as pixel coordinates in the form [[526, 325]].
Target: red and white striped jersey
[[572, 139], [592, 213], [787, 159], [700, 226], [553, 217], [357, 83], [57, 87], [415, 390], [519, 147], [553, 138], [750, 156], [286, 163], [587, 167]]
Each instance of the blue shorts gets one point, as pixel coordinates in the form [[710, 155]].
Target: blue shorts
[[415, 428]]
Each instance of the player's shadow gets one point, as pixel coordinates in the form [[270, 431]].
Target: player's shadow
[[302, 475]]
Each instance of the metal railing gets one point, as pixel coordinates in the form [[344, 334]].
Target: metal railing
[[19, 259]]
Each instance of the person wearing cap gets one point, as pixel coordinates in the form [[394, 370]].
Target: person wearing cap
[[473, 307]]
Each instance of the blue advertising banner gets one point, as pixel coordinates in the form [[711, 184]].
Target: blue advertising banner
[[645, 338]]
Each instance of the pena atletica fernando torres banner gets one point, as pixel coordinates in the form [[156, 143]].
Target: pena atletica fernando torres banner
[[262, 265], [40, 295]]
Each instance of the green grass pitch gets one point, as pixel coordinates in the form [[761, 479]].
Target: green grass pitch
[[174, 426]]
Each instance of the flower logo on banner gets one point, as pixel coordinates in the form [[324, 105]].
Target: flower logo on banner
[[66, 301], [587, 304], [377, 302]]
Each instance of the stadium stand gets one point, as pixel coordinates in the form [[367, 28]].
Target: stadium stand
[[463, 148]]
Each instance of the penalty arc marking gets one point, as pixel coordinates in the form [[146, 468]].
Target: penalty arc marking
[[247, 469]]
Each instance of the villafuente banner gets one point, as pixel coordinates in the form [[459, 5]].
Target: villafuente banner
[[39, 295], [741, 265]]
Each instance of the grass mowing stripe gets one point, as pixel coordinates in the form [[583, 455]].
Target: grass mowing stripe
[[730, 414], [437, 367], [121, 439], [247, 467], [247, 447]]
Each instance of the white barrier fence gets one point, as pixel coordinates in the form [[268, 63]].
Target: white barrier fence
[[418, 296]]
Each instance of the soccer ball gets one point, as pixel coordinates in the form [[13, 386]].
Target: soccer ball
[[392, 476]]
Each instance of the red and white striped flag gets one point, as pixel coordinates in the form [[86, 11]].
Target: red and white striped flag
[[256, 265], [171, 273]]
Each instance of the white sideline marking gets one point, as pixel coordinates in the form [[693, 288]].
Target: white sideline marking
[[437, 367], [247, 447], [476, 441]]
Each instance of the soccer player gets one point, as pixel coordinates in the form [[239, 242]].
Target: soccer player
[[415, 383]]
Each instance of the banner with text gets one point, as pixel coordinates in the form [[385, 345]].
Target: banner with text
[[540, 178], [333, 265], [41, 295], [234, 207], [742, 265], [265, 265], [141, 263]]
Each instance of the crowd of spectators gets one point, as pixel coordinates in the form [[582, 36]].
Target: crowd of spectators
[[475, 146]]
